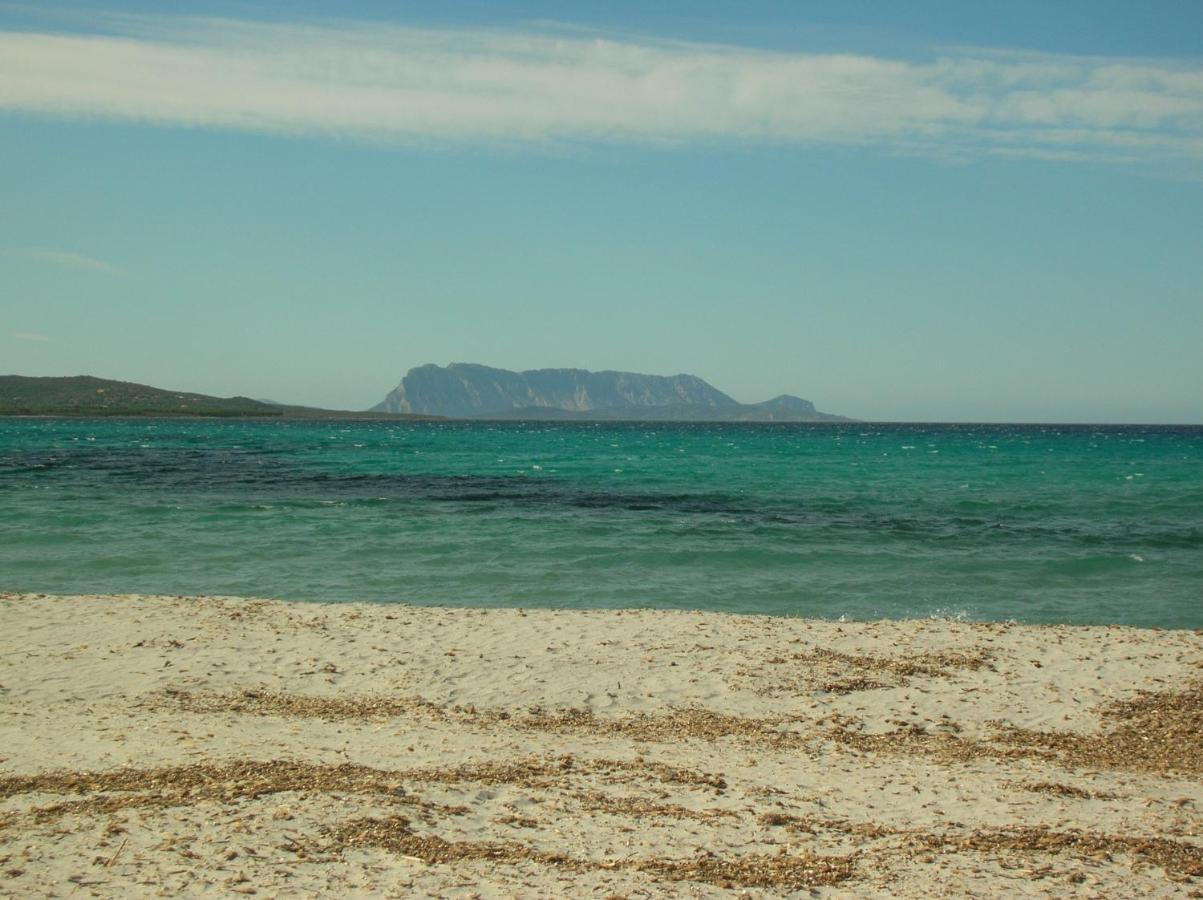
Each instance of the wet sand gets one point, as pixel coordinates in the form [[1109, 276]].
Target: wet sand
[[159, 746]]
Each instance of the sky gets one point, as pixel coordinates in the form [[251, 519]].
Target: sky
[[933, 211]]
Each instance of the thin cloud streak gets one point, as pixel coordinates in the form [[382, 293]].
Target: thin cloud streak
[[66, 259], [30, 336], [397, 84]]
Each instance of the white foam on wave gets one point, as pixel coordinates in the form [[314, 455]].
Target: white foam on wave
[[944, 613]]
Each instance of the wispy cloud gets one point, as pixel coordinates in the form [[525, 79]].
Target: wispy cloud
[[65, 258], [404, 84], [30, 336]]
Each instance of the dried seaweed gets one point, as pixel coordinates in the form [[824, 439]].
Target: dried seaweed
[[851, 685], [830, 671], [816, 824], [1176, 857], [792, 872], [914, 739], [517, 821], [394, 834], [642, 808], [539, 772], [931, 664], [788, 871], [273, 703], [107, 792], [675, 725], [1063, 790], [1155, 732]]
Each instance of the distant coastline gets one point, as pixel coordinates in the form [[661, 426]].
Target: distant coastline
[[85, 396], [546, 395]]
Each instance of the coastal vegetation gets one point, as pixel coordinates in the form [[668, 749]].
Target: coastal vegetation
[[85, 395]]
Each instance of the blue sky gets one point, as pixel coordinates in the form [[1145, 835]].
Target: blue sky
[[930, 211]]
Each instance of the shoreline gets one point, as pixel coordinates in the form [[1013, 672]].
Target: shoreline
[[937, 615], [241, 745]]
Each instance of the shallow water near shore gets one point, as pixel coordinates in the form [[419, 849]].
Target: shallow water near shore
[[1074, 524]]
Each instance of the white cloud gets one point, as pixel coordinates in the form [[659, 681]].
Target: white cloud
[[404, 84], [66, 259], [30, 336]]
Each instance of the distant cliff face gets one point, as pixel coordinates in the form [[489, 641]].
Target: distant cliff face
[[463, 390]]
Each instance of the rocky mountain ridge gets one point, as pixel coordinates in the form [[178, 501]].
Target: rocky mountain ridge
[[469, 390]]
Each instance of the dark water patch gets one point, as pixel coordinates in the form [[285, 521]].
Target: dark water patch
[[266, 481]]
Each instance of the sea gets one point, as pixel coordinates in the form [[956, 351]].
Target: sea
[[1028, 523]]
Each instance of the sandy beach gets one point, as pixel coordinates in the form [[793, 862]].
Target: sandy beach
[[186, 745]]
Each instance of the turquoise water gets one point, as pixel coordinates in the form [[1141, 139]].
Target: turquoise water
[[1031, 523]]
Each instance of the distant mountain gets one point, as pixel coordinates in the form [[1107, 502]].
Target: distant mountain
[[84, 395], [465, 390]]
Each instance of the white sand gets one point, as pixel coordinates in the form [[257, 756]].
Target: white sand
[[608, 754]]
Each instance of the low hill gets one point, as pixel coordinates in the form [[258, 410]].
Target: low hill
[[84, 395]]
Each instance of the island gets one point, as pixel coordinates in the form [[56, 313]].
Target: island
[[471, 391]]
